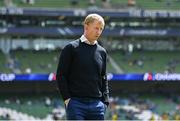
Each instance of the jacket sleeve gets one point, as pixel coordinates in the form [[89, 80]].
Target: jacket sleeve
[[63, 69], [105, 87]]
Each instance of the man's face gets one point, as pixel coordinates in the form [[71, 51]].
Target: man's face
[[94, 30]]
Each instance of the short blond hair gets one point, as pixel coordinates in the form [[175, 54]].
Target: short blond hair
[[92, 17]]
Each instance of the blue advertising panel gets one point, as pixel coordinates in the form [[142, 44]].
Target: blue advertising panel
[[75, 31], [110, 76]]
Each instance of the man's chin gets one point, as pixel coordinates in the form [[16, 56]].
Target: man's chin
[[97, 37]]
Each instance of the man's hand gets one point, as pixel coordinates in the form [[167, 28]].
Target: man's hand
[[67, 101]]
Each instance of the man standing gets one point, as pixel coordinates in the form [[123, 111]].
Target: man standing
[[81, 74]]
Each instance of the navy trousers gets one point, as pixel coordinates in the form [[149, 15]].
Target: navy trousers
[[85, 109]]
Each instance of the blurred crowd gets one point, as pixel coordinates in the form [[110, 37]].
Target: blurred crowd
[[135, 107], [129, 107], [56, 110]]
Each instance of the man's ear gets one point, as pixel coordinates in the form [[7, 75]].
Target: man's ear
[[85, 27]]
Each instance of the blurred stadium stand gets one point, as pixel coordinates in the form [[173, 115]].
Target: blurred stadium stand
[[107, 4], [141, 37]]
